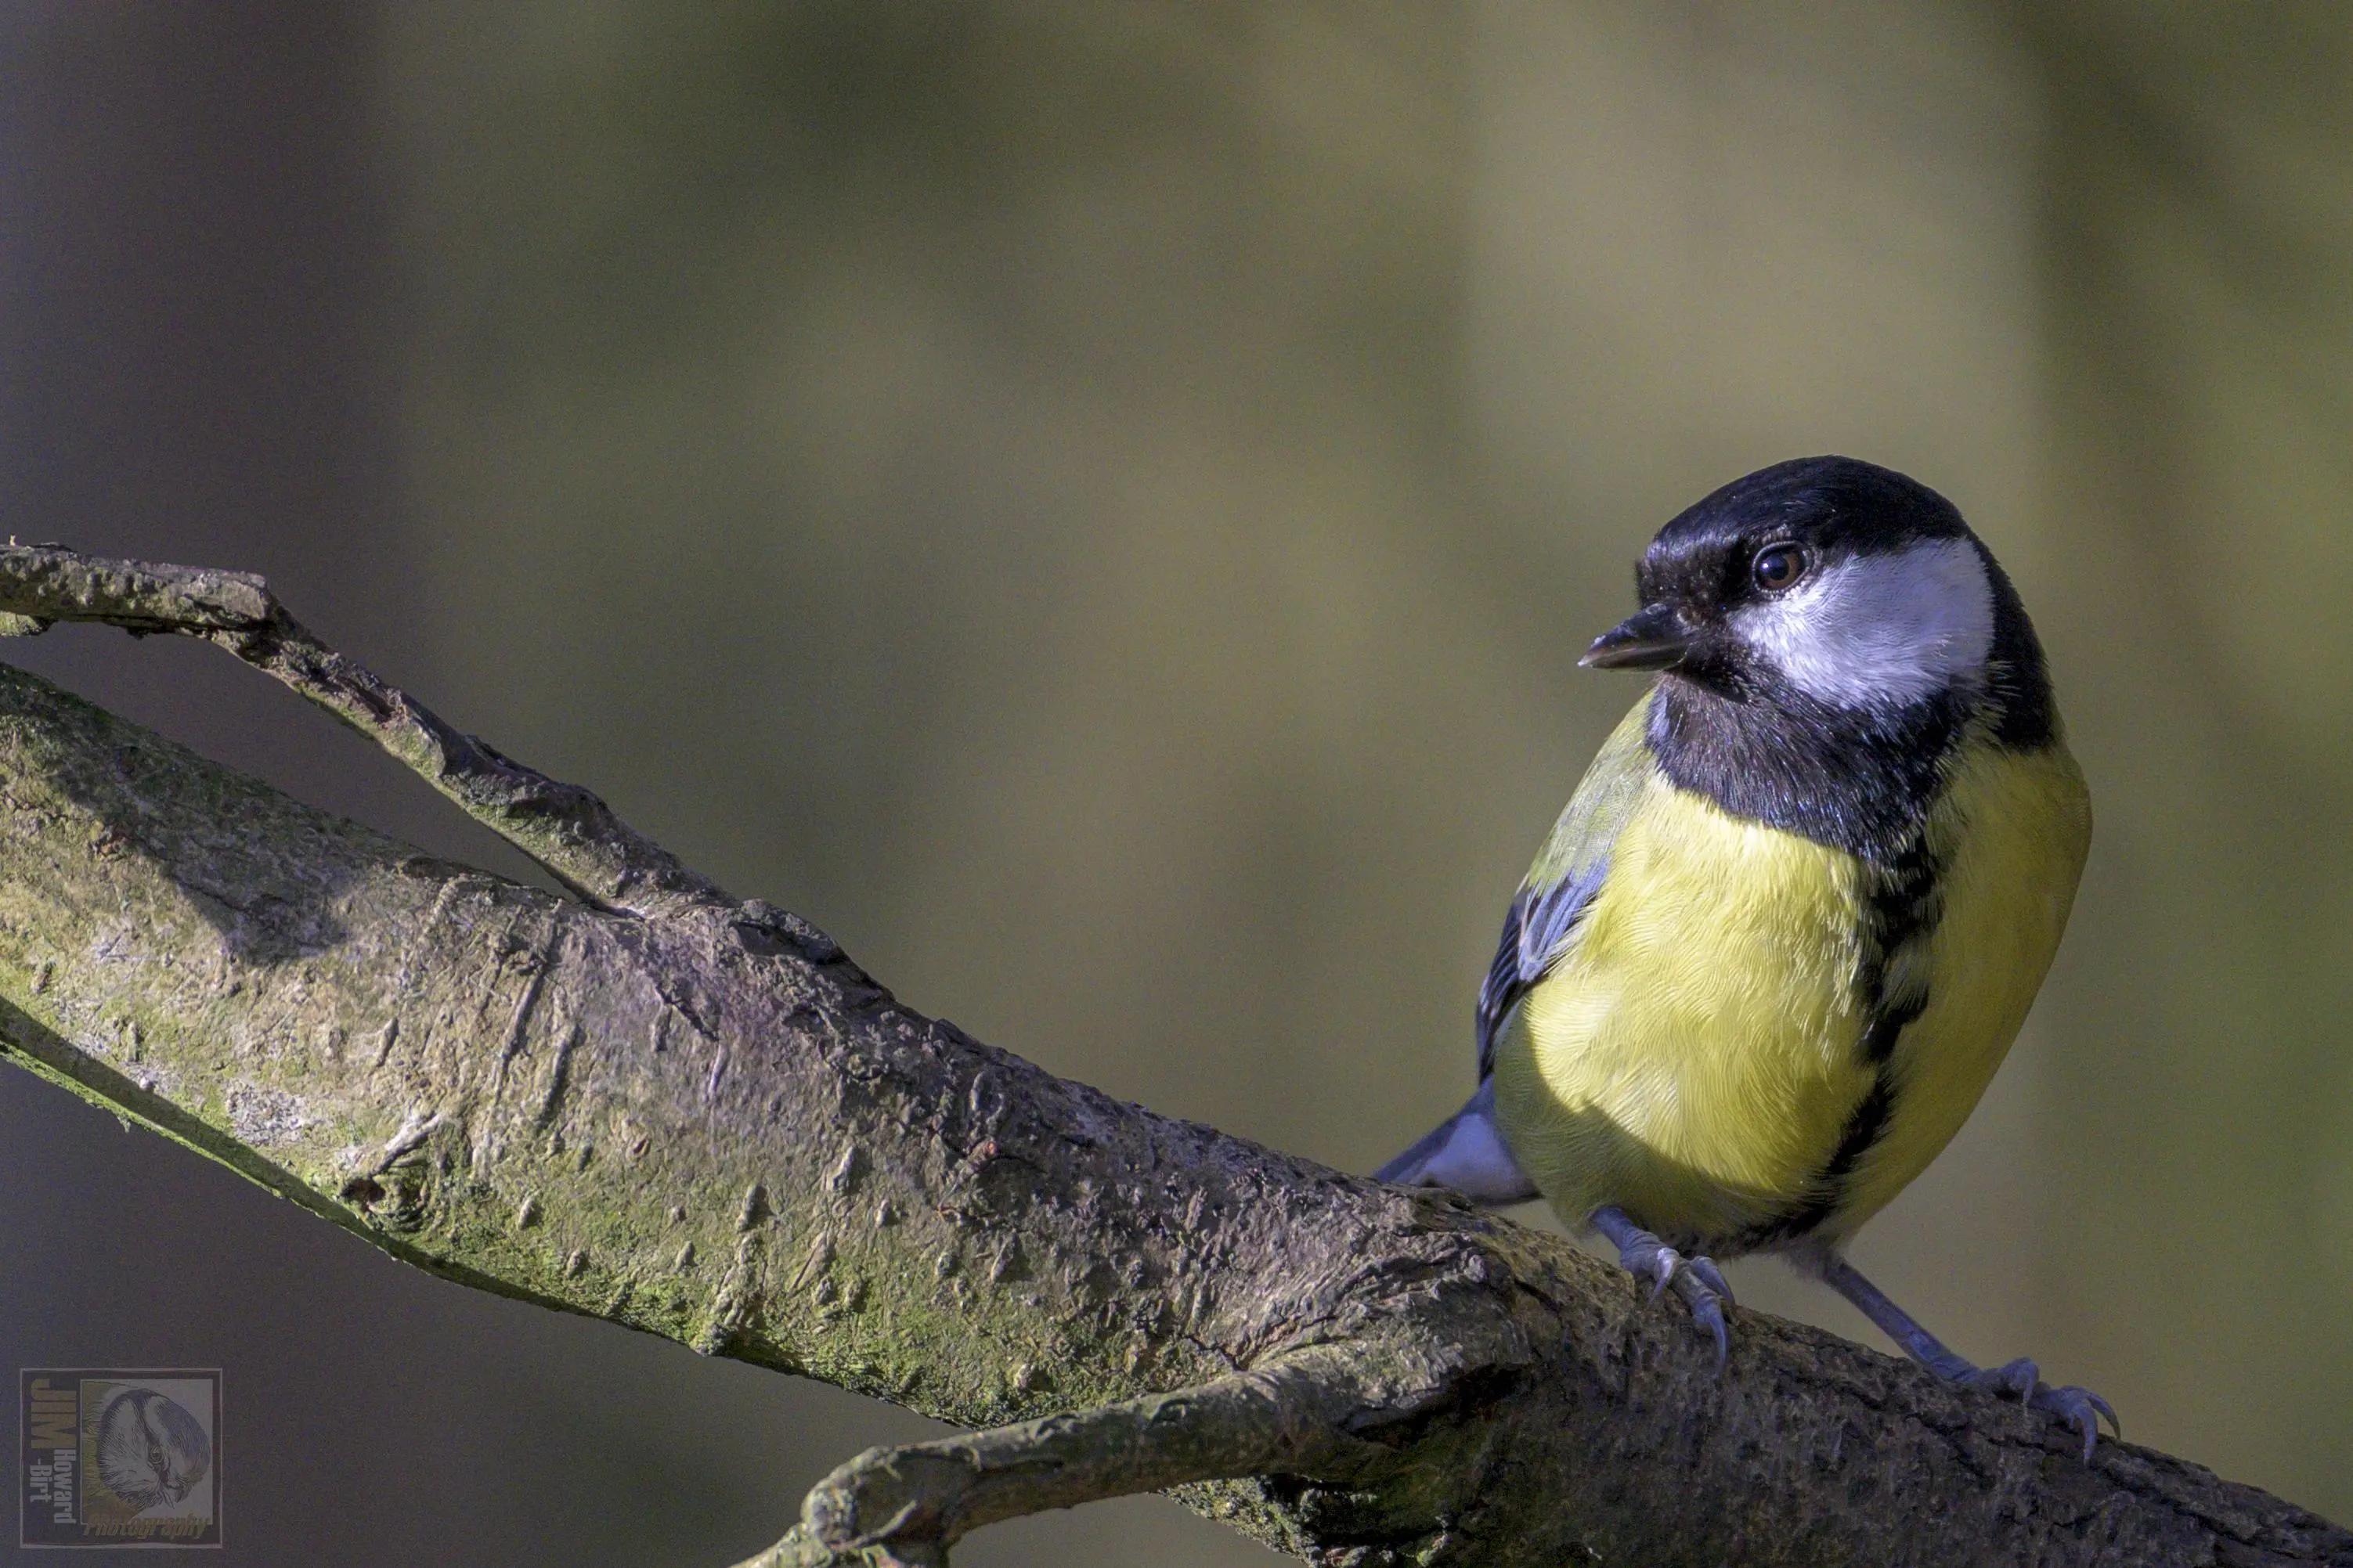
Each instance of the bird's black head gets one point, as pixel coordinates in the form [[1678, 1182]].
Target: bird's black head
[[1819, 582], [1825, 631]]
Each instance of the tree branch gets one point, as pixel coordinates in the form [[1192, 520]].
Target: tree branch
[[567, 830], [909, 1504], [697, 1117]]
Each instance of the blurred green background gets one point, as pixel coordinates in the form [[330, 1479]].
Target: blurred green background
[[1097, 506]]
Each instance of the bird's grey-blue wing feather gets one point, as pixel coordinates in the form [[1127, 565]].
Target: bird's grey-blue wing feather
[[1534, 927]]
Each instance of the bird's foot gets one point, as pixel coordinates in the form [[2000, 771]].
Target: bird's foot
[[1695, 1278], [2079, 1407], [2023, 1379]]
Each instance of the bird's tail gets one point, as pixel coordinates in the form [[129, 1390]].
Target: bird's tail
[[1465, 1152]]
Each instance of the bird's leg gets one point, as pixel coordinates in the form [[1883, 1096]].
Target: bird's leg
[[1696, 1279], [2020, 1377]]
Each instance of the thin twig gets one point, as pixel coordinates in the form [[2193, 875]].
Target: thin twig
[[567, 829]]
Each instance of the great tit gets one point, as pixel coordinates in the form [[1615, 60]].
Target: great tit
[[1796, 911]]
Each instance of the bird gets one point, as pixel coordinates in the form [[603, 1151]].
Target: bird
[[150, 1450], [1796, 911]]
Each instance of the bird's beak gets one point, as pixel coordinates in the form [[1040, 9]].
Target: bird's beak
[[1653, 639]]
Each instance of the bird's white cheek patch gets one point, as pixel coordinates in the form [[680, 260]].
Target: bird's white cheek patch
[[1880, 631]]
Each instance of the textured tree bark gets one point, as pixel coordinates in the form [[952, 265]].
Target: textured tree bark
[[655, 1104]]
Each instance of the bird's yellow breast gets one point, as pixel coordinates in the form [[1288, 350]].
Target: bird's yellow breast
[[1697, 1055]]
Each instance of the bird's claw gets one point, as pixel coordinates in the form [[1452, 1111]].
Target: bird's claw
[[1701, 1286], [2080, 1407], [1658, 1263], [1695, 1278], [1705, 1272], [1652, 1260]]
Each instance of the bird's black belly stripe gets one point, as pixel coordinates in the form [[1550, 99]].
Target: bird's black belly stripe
[[1903, 910]]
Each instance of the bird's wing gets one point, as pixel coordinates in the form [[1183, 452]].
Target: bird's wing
[[1467, 1152], [1567, 872]]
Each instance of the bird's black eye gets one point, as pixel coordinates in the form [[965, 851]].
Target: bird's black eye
[[1779, 565]]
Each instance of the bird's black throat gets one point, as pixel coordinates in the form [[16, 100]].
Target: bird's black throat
[[1861, 781]]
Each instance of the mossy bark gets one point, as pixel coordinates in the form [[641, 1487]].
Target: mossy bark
[[655, 1104]]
